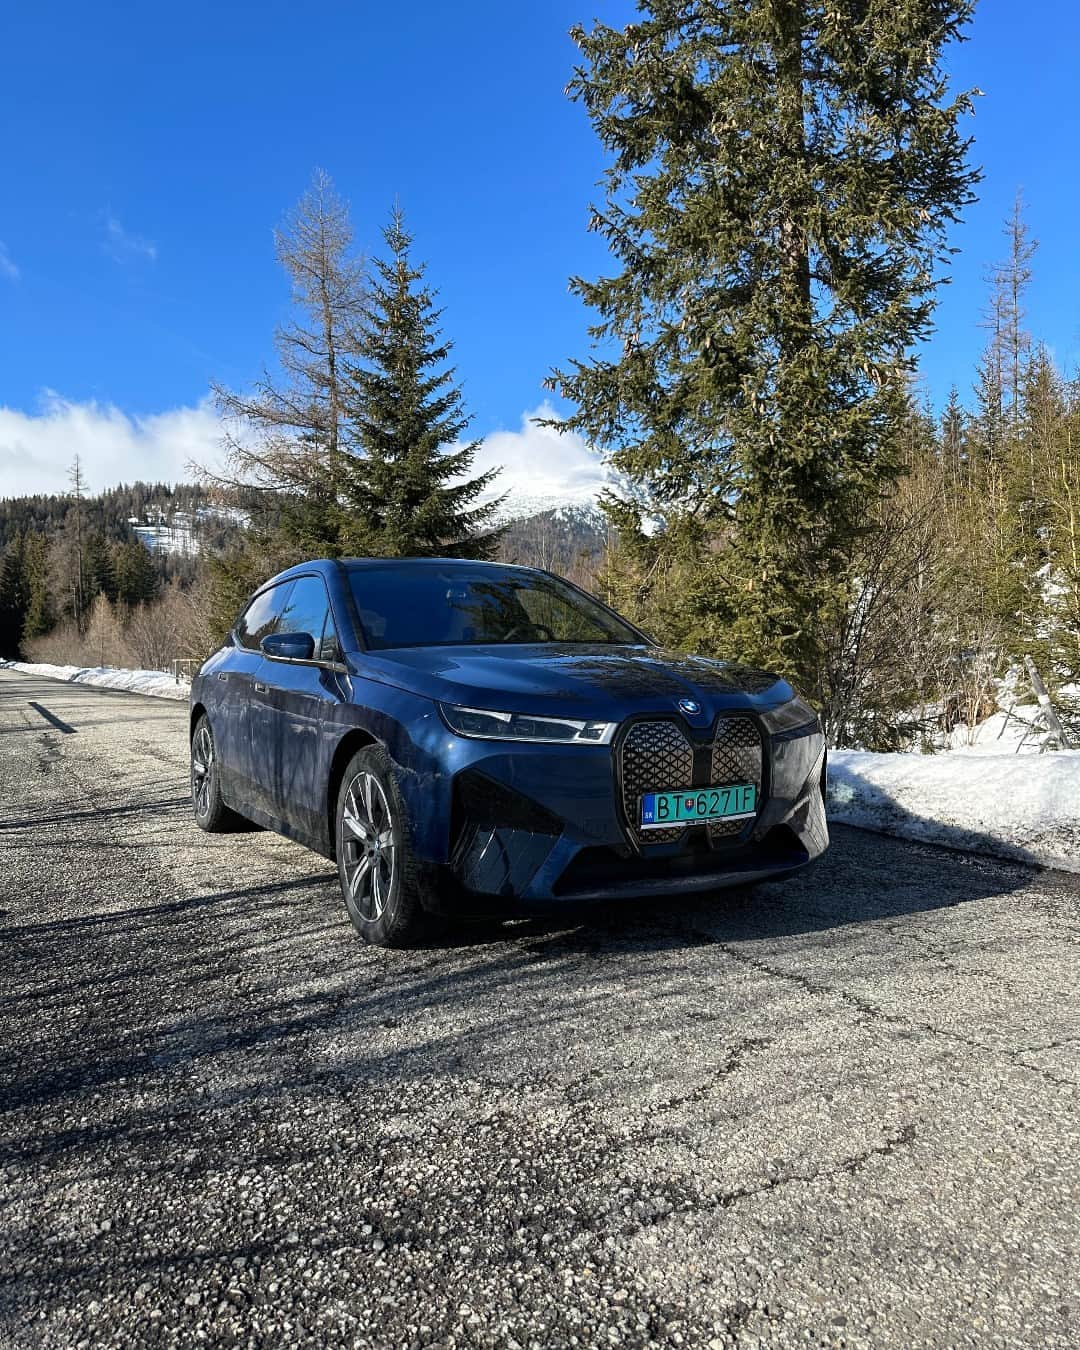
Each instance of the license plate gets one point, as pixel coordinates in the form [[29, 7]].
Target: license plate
[[662, 810]]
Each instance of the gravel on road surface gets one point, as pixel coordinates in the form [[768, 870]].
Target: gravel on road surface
[[838, 1110]]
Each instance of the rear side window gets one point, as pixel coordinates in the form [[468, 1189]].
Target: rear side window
[[307, 610], [261, 617]]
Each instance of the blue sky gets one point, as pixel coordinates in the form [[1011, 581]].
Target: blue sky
[[148, 152]]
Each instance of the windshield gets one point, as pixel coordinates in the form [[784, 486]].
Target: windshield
[[421, 606]]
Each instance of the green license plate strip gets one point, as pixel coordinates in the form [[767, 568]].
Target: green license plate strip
[[662, 810]]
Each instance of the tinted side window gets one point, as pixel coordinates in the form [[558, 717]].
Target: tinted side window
[[308, 611], [261, 616]]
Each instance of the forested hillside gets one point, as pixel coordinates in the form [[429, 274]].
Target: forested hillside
[[569, 540], [68, 562], [78, 572]]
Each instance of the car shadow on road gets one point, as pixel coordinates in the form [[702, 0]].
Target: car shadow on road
[[243, 969], [904, 878], [156, 807]]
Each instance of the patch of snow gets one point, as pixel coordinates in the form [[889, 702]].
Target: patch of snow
[[175, 540], [1004, 732], [566, 505], [157, 683], [233, 514], [1014, 806], [1015, 728], [177, 532]]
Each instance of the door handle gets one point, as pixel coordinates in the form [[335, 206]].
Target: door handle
[[260, 688]]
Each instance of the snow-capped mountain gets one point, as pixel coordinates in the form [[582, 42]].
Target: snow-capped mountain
[[581, 508]]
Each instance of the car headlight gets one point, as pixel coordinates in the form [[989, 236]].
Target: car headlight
[[483, 725], [794, 718]]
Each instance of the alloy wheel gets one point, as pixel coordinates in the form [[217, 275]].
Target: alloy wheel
[[369, 854], [202, 768]]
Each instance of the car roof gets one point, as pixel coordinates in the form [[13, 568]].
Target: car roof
[[432, 562], [323, 566]]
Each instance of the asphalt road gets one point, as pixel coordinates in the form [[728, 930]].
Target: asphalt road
[[840, 1110]]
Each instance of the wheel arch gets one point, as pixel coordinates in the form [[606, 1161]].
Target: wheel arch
[[357, 738], [197, 710]]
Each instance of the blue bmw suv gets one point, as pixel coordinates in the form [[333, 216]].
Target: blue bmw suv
[[458, 735]]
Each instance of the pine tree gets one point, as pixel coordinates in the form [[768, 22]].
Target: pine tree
[[953, 443], [78, 579], [404, 490], [999, 388], [1014, 277], [98, 566], [135, 577], [14, 595], [1064, 540], [1050, 451], [782, 176], [39, 613]]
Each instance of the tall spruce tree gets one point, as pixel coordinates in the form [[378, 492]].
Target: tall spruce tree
[[404, 490], [953, 437], [38, 615], [14, 594], [98, 565], [134, 575], [1013, 279], [783, 173], [79, 590]]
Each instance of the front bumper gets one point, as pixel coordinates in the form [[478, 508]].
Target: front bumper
[[542, 823]]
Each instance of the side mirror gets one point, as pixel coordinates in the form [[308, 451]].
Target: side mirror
[[288, 646]]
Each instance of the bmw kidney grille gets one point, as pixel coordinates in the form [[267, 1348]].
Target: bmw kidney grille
[[659, 757]]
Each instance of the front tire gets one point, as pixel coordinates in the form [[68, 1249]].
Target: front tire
[[378, 872], [211, 813]]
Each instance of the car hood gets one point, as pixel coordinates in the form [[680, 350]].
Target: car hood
[[600, 682]]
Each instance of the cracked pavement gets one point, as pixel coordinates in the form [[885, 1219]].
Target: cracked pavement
[[838, 1110]]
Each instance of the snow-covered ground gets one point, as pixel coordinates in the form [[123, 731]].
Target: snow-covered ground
[[156, 682], [989, 788], [1015, 806], [1014, 728], [177, 532]]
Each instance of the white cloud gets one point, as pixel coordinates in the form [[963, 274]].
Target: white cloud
[[540, 465], [122, 246], [37, 448], [7, 265]]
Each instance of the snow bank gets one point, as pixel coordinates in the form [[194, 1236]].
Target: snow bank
[[1016, 806], [155, 682]]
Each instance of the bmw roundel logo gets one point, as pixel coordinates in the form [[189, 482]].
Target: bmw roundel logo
[[689, 706]]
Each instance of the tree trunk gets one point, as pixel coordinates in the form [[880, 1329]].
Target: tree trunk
[[795, 298], [1050, 717]]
